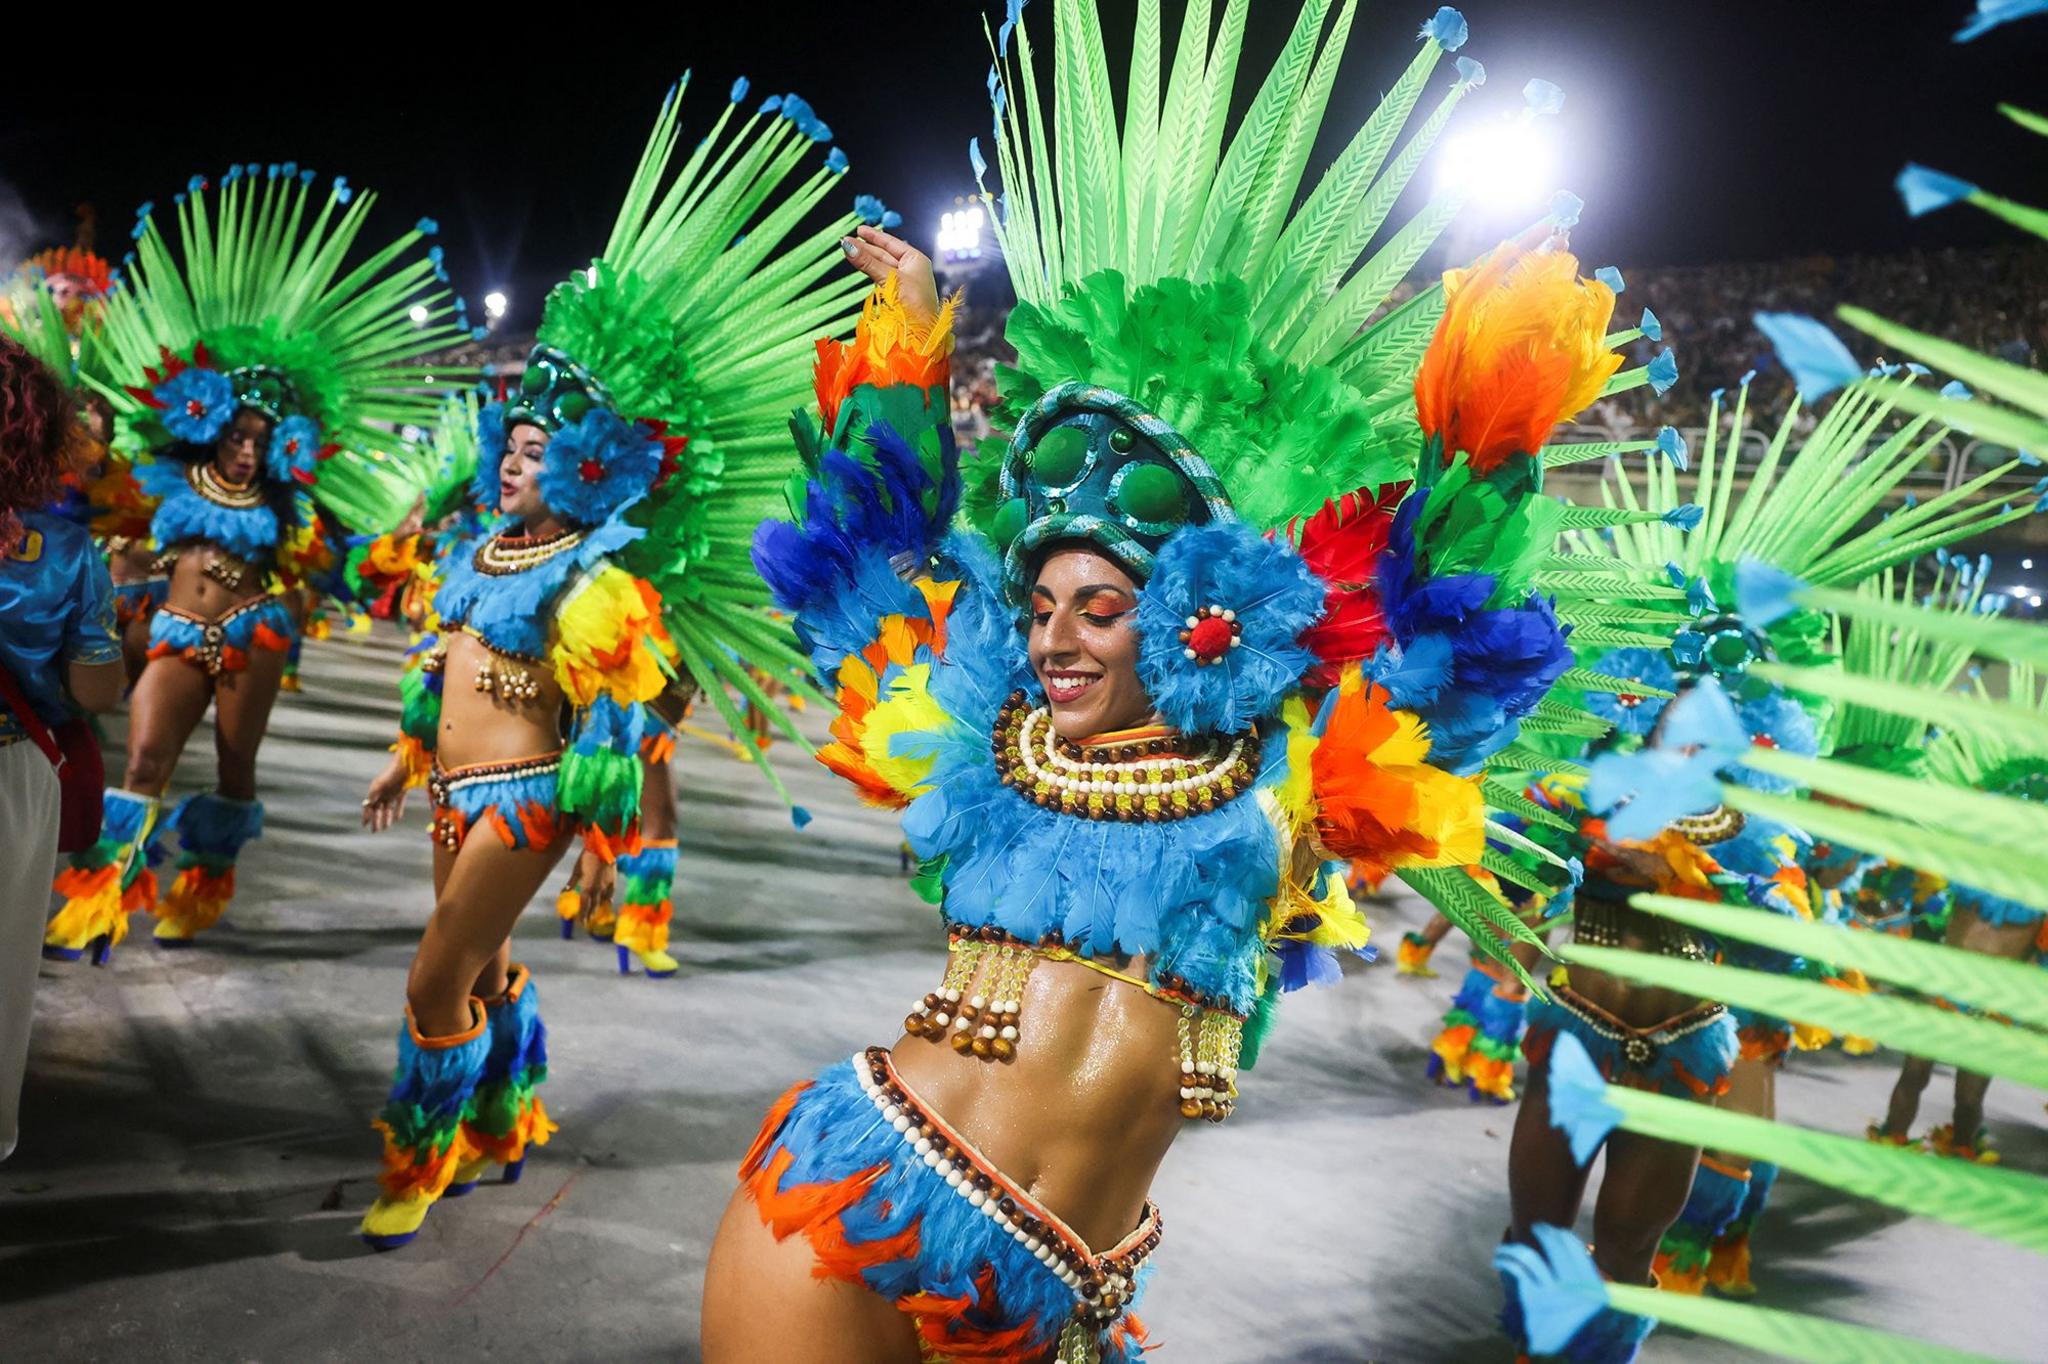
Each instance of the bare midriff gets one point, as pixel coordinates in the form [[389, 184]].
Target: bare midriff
[[1082, 1115], [489, 726], [1639, 1006], [198, 593]]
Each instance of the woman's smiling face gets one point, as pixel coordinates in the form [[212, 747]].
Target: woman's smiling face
[[1083, 643]]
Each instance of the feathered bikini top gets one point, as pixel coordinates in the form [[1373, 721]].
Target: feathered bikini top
[[198, 505], [502, 586]]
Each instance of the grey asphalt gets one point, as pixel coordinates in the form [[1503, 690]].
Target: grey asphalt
[[196, 1148]]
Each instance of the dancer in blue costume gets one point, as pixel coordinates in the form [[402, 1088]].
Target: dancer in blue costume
[[247, 361], [1226, 626], [615, 580]]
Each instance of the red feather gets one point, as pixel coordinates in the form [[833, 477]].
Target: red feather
[[1342, 544]]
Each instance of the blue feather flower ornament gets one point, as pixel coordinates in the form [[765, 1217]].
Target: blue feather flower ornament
[[1631, 714], [197, 404], [1220, 624], [598, 466], [294, 450]]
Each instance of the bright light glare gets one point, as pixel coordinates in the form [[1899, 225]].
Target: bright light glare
[[1507, 165], [418, 314], [2026, 563], [960, 231], [494, 305]]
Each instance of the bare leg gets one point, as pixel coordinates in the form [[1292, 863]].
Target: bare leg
[[167, 705], [241, 716], [658, 801], [1969, 1115], [1545, 1183], [479, 901], [763, 1305], [1752, 1090], [1642, 1194], [1905, 1105], [2013, 942]]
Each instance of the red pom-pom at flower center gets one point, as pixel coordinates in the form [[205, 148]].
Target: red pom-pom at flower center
[[1210, 638], [591, 471], [194, 408]]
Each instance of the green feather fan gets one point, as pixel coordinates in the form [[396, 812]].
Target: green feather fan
[[702, 313]]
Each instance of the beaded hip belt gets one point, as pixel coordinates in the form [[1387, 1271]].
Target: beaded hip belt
[[1103, 1285], [1639, 1046], [979, 1005], [1602, 918], [444, 782]]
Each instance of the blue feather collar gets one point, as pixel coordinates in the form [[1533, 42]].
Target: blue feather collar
[[513, 611], [1192, 895], [185, 515]]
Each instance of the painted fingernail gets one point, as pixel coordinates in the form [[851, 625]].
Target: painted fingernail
[[846, 244]]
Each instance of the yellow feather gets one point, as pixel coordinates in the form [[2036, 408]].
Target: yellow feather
[[908, 709], [607, 638]]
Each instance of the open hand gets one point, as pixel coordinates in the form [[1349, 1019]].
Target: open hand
[[385, 803], [876, 253]]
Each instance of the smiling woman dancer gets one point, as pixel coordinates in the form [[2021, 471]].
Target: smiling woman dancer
[[622, 470], [248, 354], [1137, 736]]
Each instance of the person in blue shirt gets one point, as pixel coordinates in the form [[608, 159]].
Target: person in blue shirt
[[60, 651]]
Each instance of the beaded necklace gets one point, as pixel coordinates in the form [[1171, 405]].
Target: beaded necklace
[[1132, 776], [210, 486], [501, 554]]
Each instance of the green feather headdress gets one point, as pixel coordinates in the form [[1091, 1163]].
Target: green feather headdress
[[701, 314], [1157, 260], [261, 277]]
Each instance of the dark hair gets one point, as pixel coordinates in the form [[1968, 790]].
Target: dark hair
[[38, 429]]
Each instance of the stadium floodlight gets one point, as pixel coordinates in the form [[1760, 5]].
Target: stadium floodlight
[[960, 232], [494, 304], [1503, 166], [418, 314]]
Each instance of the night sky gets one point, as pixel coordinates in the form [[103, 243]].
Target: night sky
[[1696, 132]]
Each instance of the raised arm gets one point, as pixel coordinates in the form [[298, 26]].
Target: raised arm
[[856, 563]]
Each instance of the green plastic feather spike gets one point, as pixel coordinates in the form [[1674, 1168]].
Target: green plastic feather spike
[[702, 313], [2010, 988], [373, 491], [1478, 913], [262, 268], [31, 317], [1162, 194], [1894, 658]]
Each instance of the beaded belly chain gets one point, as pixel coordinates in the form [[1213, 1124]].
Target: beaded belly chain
[[1149, 774]]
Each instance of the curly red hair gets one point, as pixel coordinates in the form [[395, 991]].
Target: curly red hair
[[39, 435]]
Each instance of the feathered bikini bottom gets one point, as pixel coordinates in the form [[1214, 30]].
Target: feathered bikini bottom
[[515, 799], [221, 645], [893, 1199], [1686, 1057]]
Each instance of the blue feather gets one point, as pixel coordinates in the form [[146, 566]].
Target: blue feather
[[1275, 598]]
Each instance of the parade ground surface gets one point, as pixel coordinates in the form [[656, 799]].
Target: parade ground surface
[[196, 1147]]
